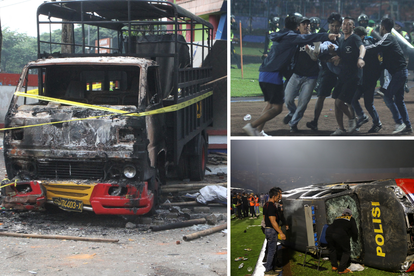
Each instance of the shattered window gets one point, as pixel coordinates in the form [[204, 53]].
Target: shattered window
[[91, 84], [335, 207]]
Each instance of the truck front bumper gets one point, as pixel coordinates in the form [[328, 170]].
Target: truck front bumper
[[131, 199]]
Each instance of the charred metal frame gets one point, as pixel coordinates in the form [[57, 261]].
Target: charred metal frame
[[157, 140], [188, 83]]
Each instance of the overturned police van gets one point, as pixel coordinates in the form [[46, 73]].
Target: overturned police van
[[383, 210]]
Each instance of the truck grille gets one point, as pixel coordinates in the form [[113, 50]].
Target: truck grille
[[56, 169]]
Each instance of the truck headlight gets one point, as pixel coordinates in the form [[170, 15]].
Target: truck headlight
[[130, 171]]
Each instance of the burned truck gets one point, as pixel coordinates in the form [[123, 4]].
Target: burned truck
[[383, 210], [119, 105]]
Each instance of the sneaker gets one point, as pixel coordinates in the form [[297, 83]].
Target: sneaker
[[347, 270], [338, 132], [271, 272], [287, 119], [334, 268], [262, 133], [398, 128], [294, 129], [352, 125], [407, 130], [312, 125], [251, 130], [375, 128], [362, 121], [277, 269]]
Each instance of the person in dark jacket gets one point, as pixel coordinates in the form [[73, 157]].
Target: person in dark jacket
[[326, 79], [245, 205], [275, 66], [338, 236], [371, 74], [394, 62]]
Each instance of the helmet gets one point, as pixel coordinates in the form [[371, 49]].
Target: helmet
[[273, 22], [363, 20], [362, 17], [297, 15]]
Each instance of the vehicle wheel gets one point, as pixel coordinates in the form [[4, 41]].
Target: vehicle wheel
[[181, 169], [198, 162], [154, 189]]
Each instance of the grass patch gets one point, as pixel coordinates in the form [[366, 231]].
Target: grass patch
[[248, 86], [250, 51], [247, 233]]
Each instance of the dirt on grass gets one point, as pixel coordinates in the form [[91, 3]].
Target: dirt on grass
[[327, 122]]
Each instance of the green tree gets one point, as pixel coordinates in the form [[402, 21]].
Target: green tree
[[17, 50]]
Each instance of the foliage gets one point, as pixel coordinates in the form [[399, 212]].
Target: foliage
[[17, 50]]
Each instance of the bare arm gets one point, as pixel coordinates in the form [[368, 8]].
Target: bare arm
[[361, 62]]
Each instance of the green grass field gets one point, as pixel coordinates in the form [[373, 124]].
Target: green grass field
[[247, 233], [250, 51], [248, 86]]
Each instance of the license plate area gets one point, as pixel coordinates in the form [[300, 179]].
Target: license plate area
[[68, 204]]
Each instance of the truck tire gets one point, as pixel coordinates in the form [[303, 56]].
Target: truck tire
[[181, 169], [198, 161]]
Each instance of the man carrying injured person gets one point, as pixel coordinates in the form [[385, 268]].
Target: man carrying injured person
[[338, 236]]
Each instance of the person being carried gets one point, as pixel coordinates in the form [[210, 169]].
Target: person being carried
[[327, 80], [273, 68], [351, 53]]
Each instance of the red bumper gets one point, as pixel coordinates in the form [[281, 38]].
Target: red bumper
[[25, 195], [136, 201]]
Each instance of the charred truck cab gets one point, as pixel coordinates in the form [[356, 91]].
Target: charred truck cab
[[109, 120], [383, 210]]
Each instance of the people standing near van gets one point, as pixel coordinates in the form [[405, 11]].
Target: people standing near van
[[256, 205], [251, 205], [272, 229]]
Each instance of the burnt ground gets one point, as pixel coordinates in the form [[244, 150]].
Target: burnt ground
[[327, 122], [139, 251]]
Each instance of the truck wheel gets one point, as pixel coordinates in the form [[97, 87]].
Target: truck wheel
[[154, 189], [198, 162], [181, 169]]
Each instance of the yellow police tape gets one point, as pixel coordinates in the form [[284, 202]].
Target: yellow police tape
[[114, 111], [8, 184]]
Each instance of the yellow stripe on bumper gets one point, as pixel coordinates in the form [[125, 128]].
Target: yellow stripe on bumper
[[69, 190]]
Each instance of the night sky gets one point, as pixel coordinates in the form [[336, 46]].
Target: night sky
[[261, 164]]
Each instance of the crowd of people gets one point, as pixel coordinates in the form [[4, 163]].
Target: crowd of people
[[344, 62], [247, 205]]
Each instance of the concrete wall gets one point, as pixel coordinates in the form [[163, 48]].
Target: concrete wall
[[6, 94]]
